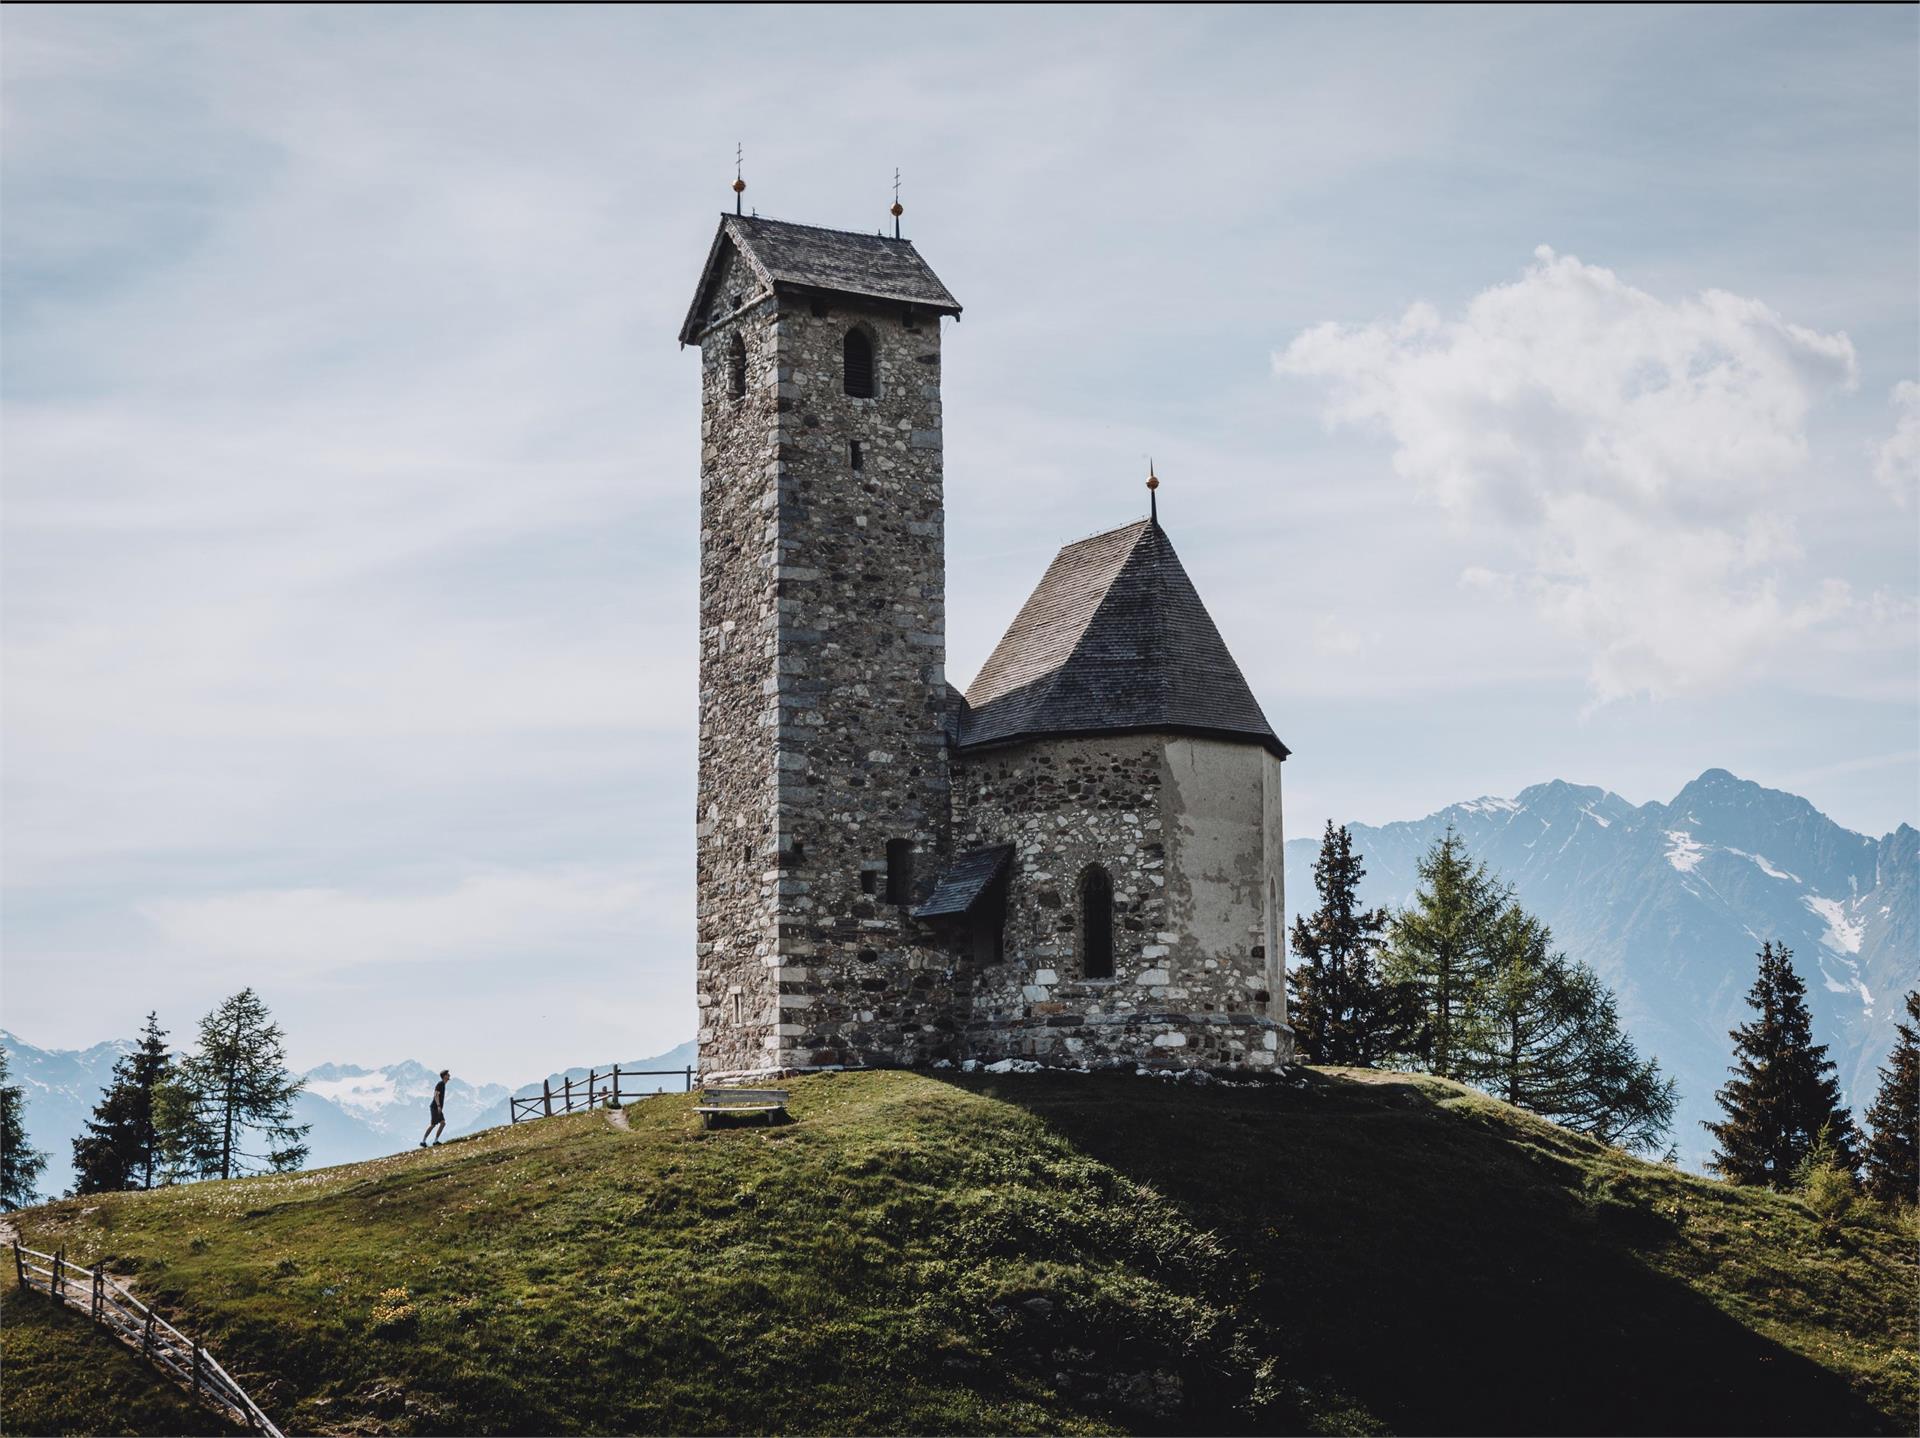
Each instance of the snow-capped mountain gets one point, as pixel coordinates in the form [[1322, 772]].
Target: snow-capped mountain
[[1670, 902], [58, 1089], [354, 1113], [381, 1107]]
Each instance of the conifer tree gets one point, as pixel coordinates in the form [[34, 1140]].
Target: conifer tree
[[1443, 944], [185, 1146], [1548, 1039], [1893, 1152], [117, 1149], [20, 1165], [1783, 1099], [241, 1085], [1341, 1006]]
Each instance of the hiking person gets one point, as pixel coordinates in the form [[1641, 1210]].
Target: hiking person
[[437, 1115]]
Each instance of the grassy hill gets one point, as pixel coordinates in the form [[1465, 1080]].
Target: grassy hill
[[1036, 1253]]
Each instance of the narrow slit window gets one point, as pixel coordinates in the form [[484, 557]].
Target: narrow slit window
[[856, 354], [1096, 923], [869, 881], [737, 368], [854, 457], [899, 871]]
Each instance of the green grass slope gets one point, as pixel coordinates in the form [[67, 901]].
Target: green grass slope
[[1045, 1253]]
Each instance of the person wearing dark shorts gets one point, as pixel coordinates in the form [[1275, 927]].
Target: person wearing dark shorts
[[437, 1115]]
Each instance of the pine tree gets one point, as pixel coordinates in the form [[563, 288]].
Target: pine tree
[[19, 1165], [1547, 1038], [1443, 947], [117, 1149], [1893, 1154], [1342, 1009], [1783, 1099], [241, 1085]]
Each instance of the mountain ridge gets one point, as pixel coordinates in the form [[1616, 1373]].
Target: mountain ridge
[[1670, 900]]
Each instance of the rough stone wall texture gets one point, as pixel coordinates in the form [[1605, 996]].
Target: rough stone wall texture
[[736, 981], [1181, 827], [822, 705]]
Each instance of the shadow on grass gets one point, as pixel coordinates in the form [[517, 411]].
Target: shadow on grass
[[1447, 1277]]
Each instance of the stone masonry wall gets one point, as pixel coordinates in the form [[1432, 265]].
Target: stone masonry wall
[[859, 688], [1174, 998], [736, 982]]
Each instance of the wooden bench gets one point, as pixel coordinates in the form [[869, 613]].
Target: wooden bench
[[718, 1103]]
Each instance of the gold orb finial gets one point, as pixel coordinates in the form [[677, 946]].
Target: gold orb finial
[[898, 210], [739, 185]]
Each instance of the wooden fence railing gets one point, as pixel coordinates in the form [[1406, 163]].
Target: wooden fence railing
[[597, 1088], [140, 1328]]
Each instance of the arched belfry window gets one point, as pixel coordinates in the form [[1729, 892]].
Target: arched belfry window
[[856, 353], [1096, 923], [737, 368]]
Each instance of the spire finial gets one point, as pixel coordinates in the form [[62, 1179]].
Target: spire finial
[[739, 185], [897, 212], [1153, 498]]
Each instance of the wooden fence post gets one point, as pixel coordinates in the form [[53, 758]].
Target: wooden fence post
[[546, 1090], [593, 1076], [616, 1085], [19, 1264], [569, 1093], [146, 1336], [59, 1256], [689, 1078], [199, 1357], [99, 1279]]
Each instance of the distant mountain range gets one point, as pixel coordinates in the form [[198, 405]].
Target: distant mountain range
[[355, 1113], [1670, 902]]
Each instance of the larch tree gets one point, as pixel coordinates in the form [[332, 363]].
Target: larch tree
[[20, 1164], [241, 1086], [117, 1149], [1548, 1039], [1343, 1009], [1783, 1100], [1893, 1150]]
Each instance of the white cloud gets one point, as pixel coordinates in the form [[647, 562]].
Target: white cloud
[[1896, 459], [534, 916], [1334, 636], [1640, 458]]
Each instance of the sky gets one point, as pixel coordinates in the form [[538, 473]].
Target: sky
[[1535, 395]]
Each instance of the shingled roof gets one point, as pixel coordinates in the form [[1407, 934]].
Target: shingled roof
[[1115, 639], [808, 260], [965, 882]]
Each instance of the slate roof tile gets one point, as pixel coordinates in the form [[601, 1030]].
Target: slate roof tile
[[1114, 639], [806, 257], [965, 881]]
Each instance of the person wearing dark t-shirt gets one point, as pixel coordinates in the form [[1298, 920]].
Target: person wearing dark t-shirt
[[437, 1115]]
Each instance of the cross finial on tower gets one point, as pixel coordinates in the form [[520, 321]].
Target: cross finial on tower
[[739, 185], [897, 212], [1153, 498]]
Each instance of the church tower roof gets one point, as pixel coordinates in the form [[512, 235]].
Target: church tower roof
[[1114, 639], [808, 260]]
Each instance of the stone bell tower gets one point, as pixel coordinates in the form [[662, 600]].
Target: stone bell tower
[[823, 790]]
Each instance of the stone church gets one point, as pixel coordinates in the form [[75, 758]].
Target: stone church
[[1078, 860]]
